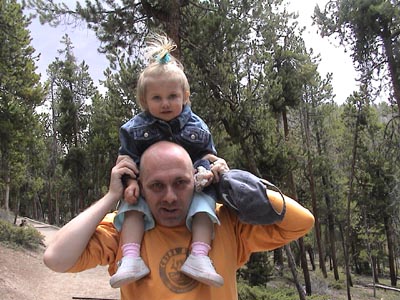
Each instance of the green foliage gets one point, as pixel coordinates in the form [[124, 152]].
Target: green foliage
[[20, 94], [257, 270], [371, 30], [258, 292], [26, 237]]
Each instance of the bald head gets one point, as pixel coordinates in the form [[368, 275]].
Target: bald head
[[164, 153]]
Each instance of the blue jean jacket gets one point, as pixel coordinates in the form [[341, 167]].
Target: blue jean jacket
[[187, 130]]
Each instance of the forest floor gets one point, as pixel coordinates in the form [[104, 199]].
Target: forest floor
[[24, 276]]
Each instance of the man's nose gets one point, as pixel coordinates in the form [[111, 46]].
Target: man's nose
[[170, 195]]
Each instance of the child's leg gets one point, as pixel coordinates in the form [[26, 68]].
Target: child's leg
[[198, 265], [132, 232], [202, 230], [132, 266]]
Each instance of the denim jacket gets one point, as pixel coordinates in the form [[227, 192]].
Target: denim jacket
[[187, 130]]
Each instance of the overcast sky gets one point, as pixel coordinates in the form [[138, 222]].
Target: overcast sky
[[46, 41]]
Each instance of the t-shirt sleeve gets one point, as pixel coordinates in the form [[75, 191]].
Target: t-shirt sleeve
[[256, 238], [102, 247]]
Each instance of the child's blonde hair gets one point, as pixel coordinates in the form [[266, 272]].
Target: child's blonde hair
[[161, 62]]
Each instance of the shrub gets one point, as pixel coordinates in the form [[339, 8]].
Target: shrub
[[26, 236]]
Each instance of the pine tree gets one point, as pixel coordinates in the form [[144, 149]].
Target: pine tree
[[71, 90], [20, 94], [371, 29]]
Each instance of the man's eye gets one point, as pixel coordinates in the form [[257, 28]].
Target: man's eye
[[157, 187], [181, 184]]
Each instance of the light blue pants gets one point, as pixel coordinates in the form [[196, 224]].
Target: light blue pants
[[201, 202]]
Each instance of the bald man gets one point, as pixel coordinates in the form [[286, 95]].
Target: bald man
[[167, 184]]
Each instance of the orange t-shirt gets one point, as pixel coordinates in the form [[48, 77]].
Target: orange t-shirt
[[165, 249]]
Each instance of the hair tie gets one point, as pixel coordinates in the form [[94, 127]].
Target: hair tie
[[163, 59], [164, 55]]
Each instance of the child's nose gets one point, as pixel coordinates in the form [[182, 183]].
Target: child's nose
[[164, 102]]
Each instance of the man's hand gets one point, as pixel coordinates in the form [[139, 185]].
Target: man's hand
[[134, 166], [124, 166]]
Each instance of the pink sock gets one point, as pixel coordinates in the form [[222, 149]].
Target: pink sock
[[200, 249], [131, 250]]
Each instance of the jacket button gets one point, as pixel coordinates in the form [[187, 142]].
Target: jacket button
[[146, 134], [193, 136]]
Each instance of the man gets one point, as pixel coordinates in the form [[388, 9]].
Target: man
[[167, 184]]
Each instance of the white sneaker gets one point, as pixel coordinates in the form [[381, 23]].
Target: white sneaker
[[201, 269], [129, 270]]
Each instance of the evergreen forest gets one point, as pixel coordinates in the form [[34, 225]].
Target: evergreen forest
[[257, 86]]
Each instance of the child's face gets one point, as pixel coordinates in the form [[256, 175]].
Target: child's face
[[165, 98]]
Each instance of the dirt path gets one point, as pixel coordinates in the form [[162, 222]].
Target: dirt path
[[24, 276]]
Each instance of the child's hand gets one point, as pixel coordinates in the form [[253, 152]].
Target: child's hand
[[219, 167], [202, 178], [132, 191]]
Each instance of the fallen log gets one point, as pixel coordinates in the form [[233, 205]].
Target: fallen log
[[385, 287]]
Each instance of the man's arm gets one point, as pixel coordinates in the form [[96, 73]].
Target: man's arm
[[297, 221], [72, 239]]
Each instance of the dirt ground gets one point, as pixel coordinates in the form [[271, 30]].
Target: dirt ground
[[24, 276]]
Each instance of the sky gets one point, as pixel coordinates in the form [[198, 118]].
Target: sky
[[46, 41]]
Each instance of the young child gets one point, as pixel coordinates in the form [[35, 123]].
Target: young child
[[163, 93]]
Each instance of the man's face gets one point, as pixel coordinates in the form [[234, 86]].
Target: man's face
[[167, 185]]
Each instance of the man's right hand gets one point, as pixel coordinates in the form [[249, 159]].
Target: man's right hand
[[129, 180], [124, 167]]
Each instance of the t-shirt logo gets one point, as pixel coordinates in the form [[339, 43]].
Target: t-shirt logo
[[170, 274]]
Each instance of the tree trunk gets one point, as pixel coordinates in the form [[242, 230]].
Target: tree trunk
[[310, 171], [170, 16], [50, 213], [331, 229], [328, 201], [346, 262], [392, 64], [57, 213], [7, 189], [391, 256], [373, 269], [310, 252], [349, 197], [278, 260], [292, 267], [292, 186]]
